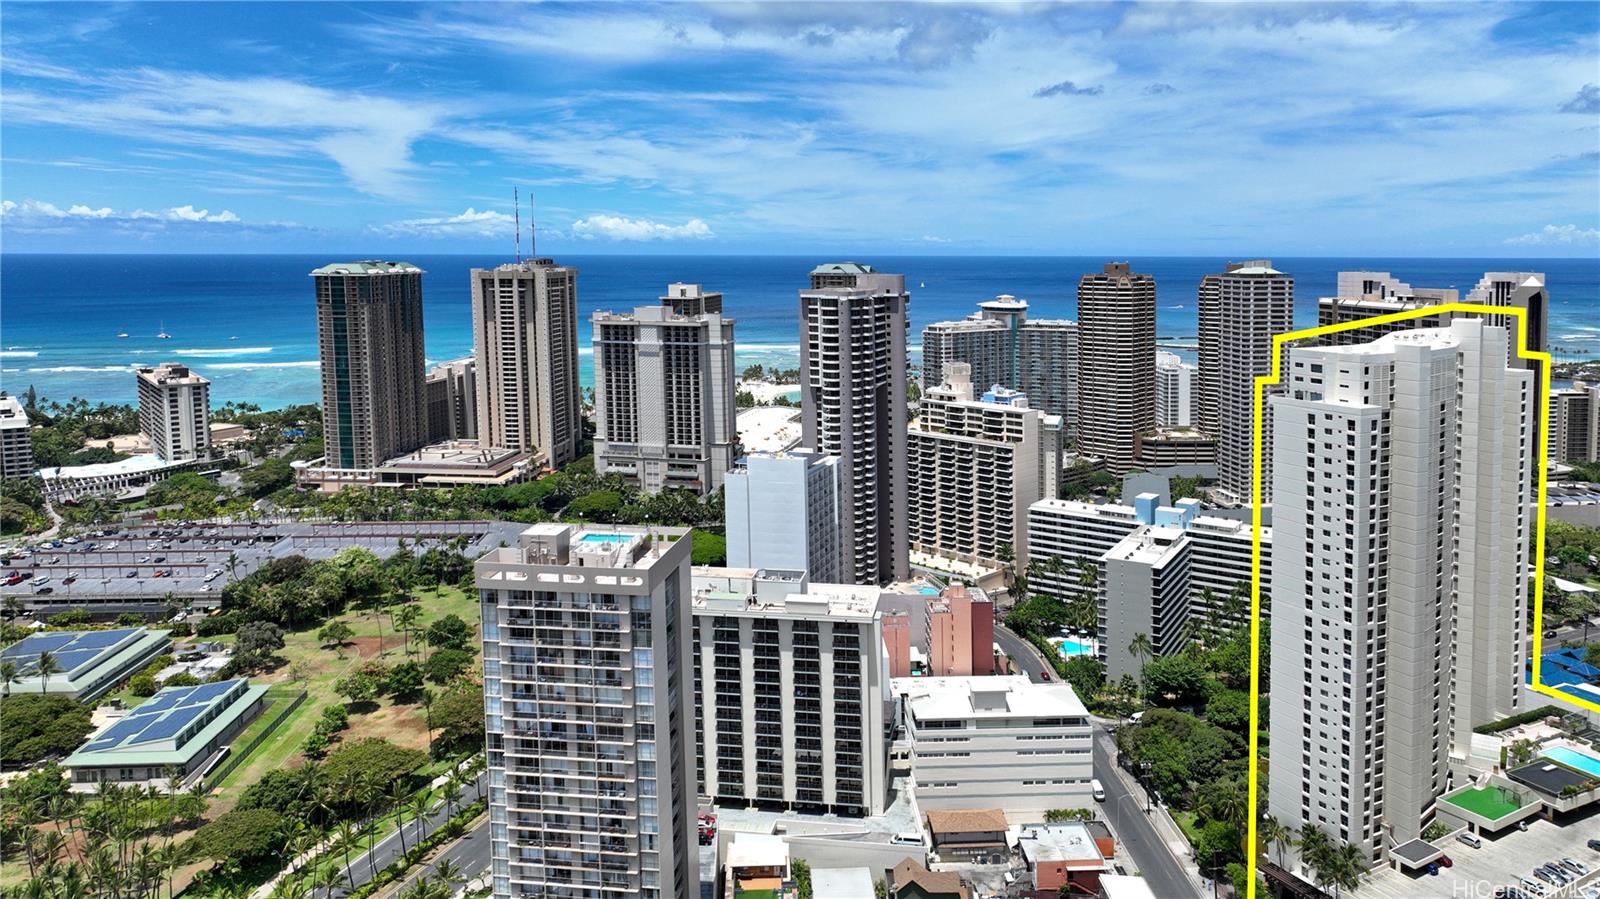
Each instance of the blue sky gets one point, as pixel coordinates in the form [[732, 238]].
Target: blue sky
[[1164, 129]]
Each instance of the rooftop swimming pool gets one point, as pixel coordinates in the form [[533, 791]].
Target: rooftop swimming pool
[[1572, 758], [605, 538], [928, 591]]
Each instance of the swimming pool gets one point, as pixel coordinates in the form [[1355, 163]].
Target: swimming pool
[[605, 538], [1075, 647], [928, 591], [1572, 758]]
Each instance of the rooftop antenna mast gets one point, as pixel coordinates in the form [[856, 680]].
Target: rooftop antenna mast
[[533, 228], [516, 210]]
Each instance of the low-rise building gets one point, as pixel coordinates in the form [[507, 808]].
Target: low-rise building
[[1183, 448], [757, 863], [912, 880], [1065, 858], [842, 883], [124, 479], [454, 463], [997, 742], [84, 664], [961, 633], [1125, 886], [971, 835], [179, 732]]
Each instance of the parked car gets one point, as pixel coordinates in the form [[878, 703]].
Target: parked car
[[133, 572], [69, 579], [1595, 845], [1575, 867], [44, 591], [1445, 861]]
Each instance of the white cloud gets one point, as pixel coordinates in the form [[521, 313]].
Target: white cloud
[[1558, 235], [472, 222], [617, 227], [32, 214]]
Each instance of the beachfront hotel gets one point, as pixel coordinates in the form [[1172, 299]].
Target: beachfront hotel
[[1003, 346], [525, 337], [174, 411], [853, 405], [1116, 364], [664, 392], [1401, 518], [369, 341], [588, 712]]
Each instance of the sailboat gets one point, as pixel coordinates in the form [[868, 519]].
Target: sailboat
[[122, 335], [163, 335]]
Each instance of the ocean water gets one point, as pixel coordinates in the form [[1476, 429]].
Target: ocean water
[[249, 323]]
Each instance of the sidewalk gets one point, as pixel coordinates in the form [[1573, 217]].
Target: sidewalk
[[1168, 830]]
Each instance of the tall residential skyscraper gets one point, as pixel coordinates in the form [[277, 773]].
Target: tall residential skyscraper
[[977, 464], [853, 405], [1575, 423], [1240, 310], [664, 392], [589, 713], [783, 512], [792, 700], [1116, 363], [175, 411], [16, 439], [1003, 346], [369, 337], [1175, 391], [1401, 522], [452, 390], [525, 335]]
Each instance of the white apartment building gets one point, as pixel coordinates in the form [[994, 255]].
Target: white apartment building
[[1168, 572], [781, 512], [175, 411], [664, 392], [588, 713], [1116, 364], [792, 702], [977, 464], [997, 742], [1575, 423], [525, 337], [853, 405], [1240, 311], [452, 396], [16, 439], [1401, 513], [1003, 346], [1175, 391]]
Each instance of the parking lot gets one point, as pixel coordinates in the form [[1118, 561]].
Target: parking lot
[[1503, 861], [135, 569]]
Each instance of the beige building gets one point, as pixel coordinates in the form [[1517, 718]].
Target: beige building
[[1575, 423], [1003, 346], [1240, 311], [976, 465], [175, 411], [1402, 511], [853, 405], [16, 439], [525, 337], [452, 390], [664, 406], [1116, 364], [369, 339]]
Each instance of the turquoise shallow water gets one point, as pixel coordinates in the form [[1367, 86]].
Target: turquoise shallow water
[[248, 322]]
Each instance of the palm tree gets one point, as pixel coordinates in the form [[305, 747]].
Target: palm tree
[[1349, 864], [232, 565], [13, 607], [1227, 803], [1141, 649], [1277, 834], [1316, 851], [403, 619], [347, 837], [449, 873], [47, 667], [9, 674], [418, 807], [397, 801]]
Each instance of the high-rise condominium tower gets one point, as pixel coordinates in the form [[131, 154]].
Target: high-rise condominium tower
[[452, 389], [853, 405], [525, 335], [589, 713], [1401, 518], [1003, 346], [1240, 310], [369, 336], [664, 392], [1575, 423], [1116, 363], [782, 512], [175, 412], [1175, 391], [977, 464], [16, 440]]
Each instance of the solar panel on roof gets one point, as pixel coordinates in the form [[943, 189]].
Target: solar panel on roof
[[208, 692], [101, 639], [169, 726], [70, 659], [123, 729], [163, 700], [37, 643]]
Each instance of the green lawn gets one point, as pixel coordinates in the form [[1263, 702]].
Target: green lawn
[[1491, 803]]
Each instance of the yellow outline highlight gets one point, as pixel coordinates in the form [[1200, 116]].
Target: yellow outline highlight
[[1264, 381]]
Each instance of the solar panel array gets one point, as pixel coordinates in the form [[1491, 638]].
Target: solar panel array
[[70, 649], [166, 715]]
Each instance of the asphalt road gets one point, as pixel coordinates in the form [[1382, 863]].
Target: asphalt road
[[1021, 652], [470, 854], [389, 849], [1124, 809]]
